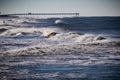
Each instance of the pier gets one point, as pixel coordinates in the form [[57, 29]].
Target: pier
[[39, 14]]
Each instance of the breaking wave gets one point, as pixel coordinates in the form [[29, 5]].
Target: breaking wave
[[52, 40], [25, 40]]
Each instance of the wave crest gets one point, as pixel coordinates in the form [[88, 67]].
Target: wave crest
[[76, 37]]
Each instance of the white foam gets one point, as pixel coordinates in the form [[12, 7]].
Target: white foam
[[84, 60], [63, 42], [75, 37], [59, 21], [41, 31], [17, 21], [1, 22]]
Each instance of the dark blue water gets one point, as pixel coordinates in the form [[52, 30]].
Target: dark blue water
[[57, 67], [109, 26], [66, 67]]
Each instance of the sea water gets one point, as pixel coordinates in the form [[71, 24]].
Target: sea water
[[85, 48]]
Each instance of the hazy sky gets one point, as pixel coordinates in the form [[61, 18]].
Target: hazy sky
[[84, 7]]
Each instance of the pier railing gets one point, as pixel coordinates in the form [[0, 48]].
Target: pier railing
[[25, 14]]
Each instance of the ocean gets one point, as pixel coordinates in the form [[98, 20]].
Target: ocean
[[67, 48]]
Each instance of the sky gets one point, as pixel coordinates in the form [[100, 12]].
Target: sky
[[84, 7]]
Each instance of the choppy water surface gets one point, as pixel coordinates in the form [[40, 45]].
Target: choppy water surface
[[76, 48], [57, 67]]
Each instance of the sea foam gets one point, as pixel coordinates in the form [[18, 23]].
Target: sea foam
[[27, 40]]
